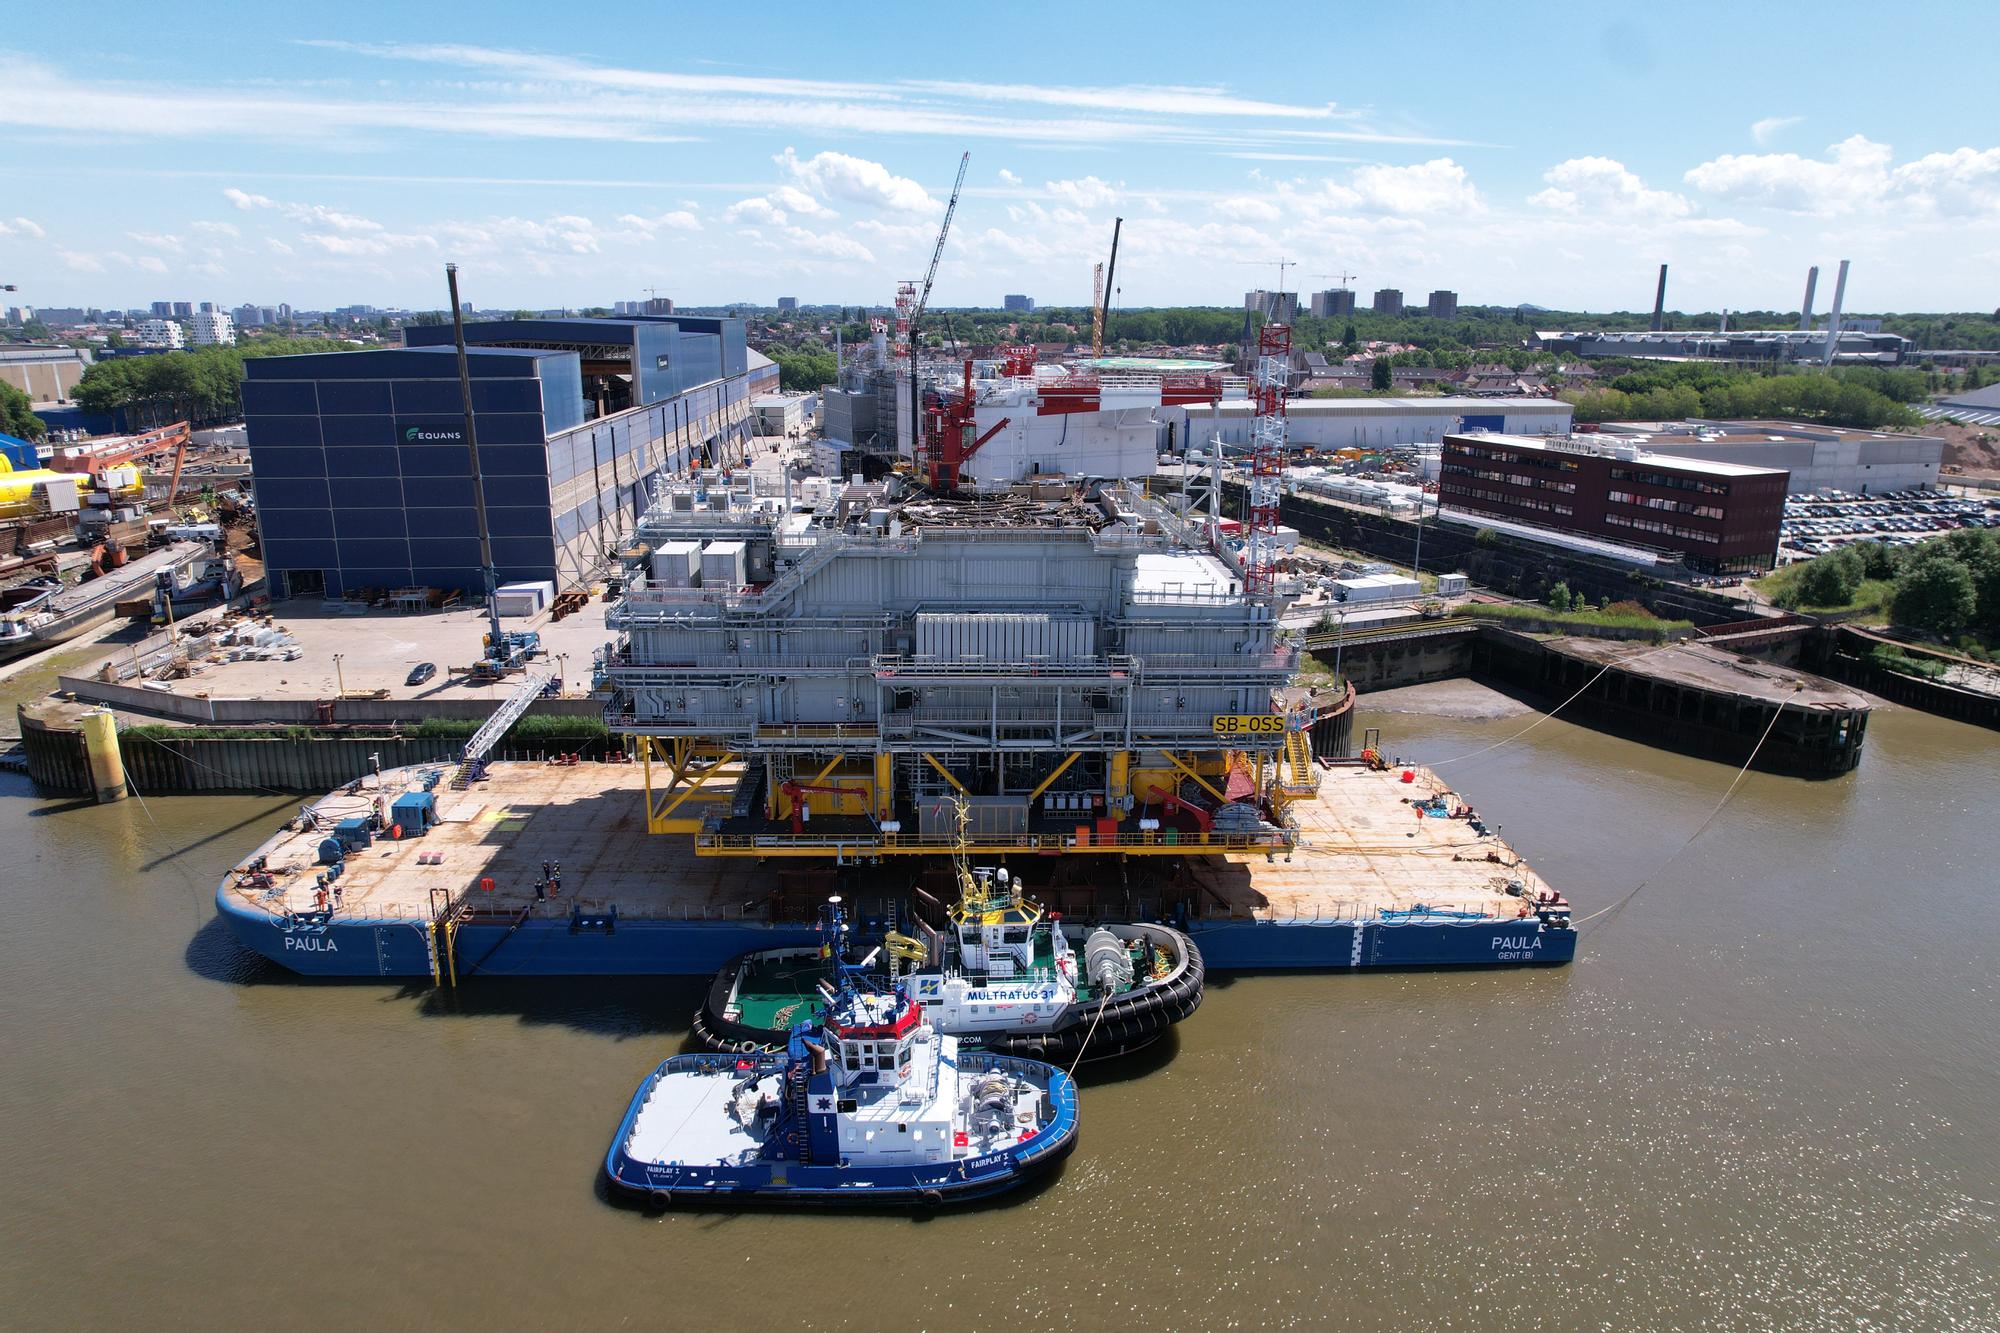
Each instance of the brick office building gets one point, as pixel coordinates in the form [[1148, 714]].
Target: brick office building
[[1719, 517]]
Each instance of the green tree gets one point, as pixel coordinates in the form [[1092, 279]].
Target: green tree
[[1348, 338], [1830, 580], [1381, 375], [1559, 599], [16, 418], [1935, 594]]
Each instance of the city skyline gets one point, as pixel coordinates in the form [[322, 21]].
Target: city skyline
[[565, 168]]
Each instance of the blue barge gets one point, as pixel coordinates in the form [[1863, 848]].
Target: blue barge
[[549, 871]]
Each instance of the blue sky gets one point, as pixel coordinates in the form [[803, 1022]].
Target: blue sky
[[337, 153]]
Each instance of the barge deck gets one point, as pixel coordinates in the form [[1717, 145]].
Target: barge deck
[[1368, 881]]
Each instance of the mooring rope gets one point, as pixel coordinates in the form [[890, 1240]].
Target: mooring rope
[[1741, 773], [1509, 740]]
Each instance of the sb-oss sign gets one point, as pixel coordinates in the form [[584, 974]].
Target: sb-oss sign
[[1244, 724]]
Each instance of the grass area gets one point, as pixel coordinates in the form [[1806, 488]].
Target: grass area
[[1871, 598], [1578, 622], [1894, 659]]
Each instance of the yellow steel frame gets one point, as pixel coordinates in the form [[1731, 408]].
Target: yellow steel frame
[[945, 773], [660, 817], [1049, 781], [1175, 760]]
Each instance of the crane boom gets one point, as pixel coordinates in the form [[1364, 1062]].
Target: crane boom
[[1110, 277], [923, 300]]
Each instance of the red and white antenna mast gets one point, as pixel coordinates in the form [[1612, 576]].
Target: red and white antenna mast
[[1268, 382]]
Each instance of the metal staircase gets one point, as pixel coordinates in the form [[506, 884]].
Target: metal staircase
[[470, 762]]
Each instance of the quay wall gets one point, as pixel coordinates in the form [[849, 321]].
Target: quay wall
[[1843, 655], [304, 712], [1388, 663], [57, 761]]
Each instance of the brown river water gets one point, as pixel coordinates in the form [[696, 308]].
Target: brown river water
[[1766, 1096]]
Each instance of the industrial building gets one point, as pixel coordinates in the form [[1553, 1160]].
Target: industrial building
[[1062, 664], [1367, 423], [783, 413], [363, 477], [1783, 346], [45, 374], [1015, 301], [1717, 517], [1388, 301], [1819, 458]]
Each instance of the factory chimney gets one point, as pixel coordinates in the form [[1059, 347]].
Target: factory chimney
[[1805, 311], [1660, 300], [1833, 318]]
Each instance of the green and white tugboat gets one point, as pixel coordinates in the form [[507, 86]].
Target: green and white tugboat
[[1003, 973]]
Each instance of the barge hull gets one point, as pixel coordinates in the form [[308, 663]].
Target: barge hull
[[553, 948]]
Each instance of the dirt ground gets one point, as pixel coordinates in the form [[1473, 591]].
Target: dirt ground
[[1974, 450]]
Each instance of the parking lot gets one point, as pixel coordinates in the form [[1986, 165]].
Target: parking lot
[[1816, 524]]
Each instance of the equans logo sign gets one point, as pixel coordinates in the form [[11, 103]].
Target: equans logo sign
[[433, 435]]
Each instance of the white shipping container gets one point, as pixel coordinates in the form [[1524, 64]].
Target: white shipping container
[[677, 564], [1377, 588], [724, 565], [1454, 585]]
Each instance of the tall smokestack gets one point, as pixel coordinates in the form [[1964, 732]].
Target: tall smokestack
[[1833, 318], [1805, 311], [1660, 300]]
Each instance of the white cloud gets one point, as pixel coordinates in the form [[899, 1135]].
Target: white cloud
[[157, 240], [1962, 183], [855, 180], [828, 245], [794, 200], [246, 201], [82, 263], [678, 220], [21, 227], [1859, 175], [757, 209], [278, 246], [1602, 185], [1438, 186], [1856, 174], [1090, 192], [1009, 178], [1770, 127], [321, 215], [216, 228], [1249, 208]]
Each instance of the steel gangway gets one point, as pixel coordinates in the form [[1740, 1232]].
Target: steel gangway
[[530, 688]]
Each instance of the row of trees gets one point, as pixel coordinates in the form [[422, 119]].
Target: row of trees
[[1949, 586], [203, 384], [805, 367], [1863, 397]]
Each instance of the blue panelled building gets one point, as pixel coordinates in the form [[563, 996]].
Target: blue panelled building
[[360, 465]]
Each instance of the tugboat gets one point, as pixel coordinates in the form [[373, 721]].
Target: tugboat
[[871, 1107], [1003, 972]]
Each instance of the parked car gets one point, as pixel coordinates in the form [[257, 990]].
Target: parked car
[[420, 673]]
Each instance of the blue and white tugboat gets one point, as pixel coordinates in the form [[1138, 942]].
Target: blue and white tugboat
[[871, 1107]]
